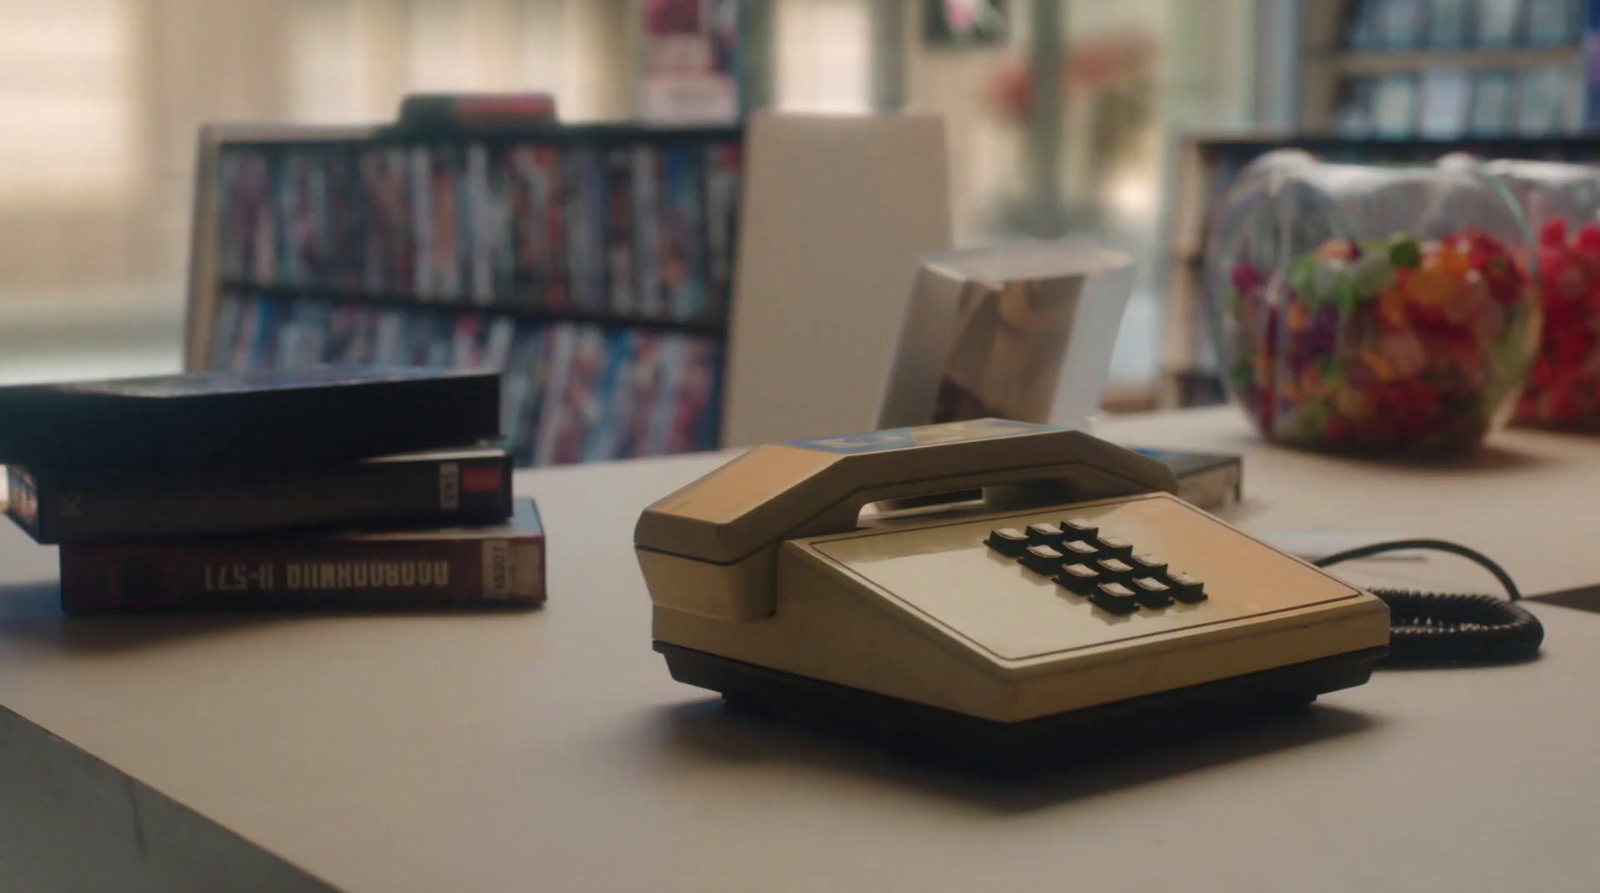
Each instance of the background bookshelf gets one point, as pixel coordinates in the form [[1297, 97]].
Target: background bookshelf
[[1442, 69], [644, 290], [1206, 167], [593, 264]]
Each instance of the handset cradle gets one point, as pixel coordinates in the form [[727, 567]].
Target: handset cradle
[[1079, 587]]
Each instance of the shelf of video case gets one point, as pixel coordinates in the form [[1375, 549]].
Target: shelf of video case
[[640, 230], [574, 391], [1390, 61], [509, 307], [558, 135]]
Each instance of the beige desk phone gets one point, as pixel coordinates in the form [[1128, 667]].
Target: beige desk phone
[[1079, 592]]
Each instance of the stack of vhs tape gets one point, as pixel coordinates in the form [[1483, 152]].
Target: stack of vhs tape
[[326, 488]]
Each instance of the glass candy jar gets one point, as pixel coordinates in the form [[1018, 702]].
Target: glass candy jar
[[1370, 310], [1562, 205]]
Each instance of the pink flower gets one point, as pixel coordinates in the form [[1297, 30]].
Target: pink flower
[[960, 14]]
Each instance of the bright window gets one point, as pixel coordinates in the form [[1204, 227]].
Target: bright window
[[65, 98], [824, 56]]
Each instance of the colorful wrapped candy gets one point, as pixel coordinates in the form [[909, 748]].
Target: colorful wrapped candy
[[1371, 311], [1561, 203], [1564, 386]]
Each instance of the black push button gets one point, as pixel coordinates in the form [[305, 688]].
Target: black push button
[[1079, 550], [1114, 597], [1115, 570], [1008, 541], [1186, 588], [1078, 578], [1042, 559], [1147, 564], [1151, 593], [1044, 534], [1079, 529], [1113, 546]]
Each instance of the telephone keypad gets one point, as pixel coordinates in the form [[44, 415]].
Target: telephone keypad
[[1008, 541], [1042, 559], [1080, 550], [1186, 588], [1080, 558], [1113, 546], [1147, 565], [1115, 570], [1115, 598], [1152, 593], [1079, 529], [1045, 534], [1079, 579]]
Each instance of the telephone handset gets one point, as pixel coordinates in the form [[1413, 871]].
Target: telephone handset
[[730, 523], [1079, 588]]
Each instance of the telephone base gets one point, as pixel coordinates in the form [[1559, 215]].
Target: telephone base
[[920, 731]]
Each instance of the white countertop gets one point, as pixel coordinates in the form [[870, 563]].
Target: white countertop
[[551, 751]]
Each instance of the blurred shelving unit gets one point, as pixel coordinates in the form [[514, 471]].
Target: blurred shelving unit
[[1441, 68], [1385, 82]]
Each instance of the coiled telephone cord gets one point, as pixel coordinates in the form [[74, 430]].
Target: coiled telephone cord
[[1448, 628]]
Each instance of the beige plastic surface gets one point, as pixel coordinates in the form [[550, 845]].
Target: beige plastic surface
[[947, 575], [738, 592], [927, 613]]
